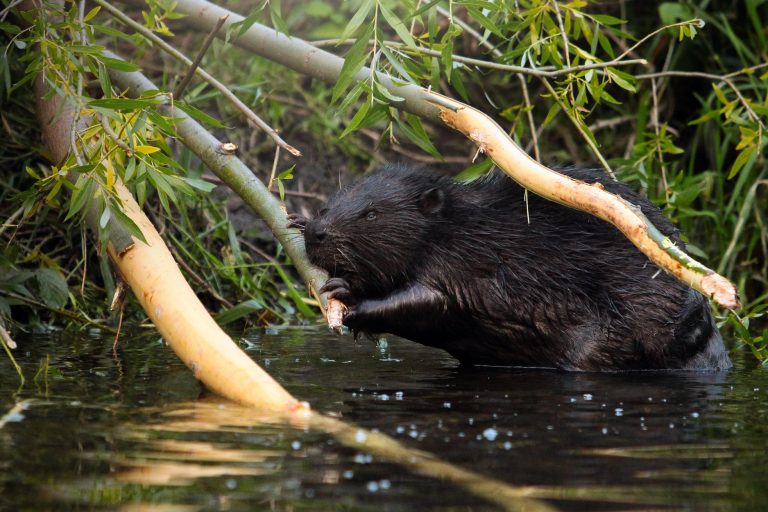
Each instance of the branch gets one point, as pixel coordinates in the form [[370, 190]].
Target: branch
[[229, 95], [541, 72], [232, 171], [481, 129], [717, 78]]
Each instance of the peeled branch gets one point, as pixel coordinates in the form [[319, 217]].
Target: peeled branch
[[335, 315], [591, 198]]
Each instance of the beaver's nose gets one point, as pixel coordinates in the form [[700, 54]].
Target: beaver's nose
[[315, 232]]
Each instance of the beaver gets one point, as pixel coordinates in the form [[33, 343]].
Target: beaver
[[472, 269]]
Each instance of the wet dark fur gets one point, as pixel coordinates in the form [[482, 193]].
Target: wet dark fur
[[459, 267]]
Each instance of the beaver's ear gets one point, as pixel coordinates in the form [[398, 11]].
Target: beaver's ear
[[432, 201]]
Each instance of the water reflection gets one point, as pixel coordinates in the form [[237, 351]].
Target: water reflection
[[108, 434]]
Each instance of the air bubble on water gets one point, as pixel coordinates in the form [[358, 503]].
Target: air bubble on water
[[414, 434], [296, 445], [587, 397], [360, 436], [385, 484], [550, 427], [400, 429], [671, 425], [490, 434], [348, 474], [398, 395], [573, 400], [447, 405], [372, 486], [694, 415], [231, 484], [619, 411], [363, 458], [507, 445], [604, 430], [383, 396], [471, 421]]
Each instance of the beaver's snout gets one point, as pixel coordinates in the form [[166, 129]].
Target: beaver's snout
[[315, 232]]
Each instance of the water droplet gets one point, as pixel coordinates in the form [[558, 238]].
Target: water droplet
[[360, 436]]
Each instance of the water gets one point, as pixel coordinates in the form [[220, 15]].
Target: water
[[96, 432]]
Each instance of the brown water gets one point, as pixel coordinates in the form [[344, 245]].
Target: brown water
[[96, 432]]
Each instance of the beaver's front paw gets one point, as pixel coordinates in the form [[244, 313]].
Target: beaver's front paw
[[297, 221], [338, 288]]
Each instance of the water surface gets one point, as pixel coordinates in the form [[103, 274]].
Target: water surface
[[95, 432]]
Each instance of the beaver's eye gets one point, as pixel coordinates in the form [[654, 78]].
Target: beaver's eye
[[371, 215]]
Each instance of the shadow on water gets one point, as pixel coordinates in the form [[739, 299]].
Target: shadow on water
[[100, 433]]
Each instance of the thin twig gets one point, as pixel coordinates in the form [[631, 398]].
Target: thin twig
[[177, 94], [274, 169], [601, 124], [566, 46], [581, 129], [119, 330], [7, 342], [539, 72], [112, 135], [229, 95], [718, 78], [655, 123], [10, 221], [632, 48], [529, 115]]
